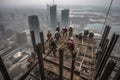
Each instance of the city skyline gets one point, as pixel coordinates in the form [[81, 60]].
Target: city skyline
[[24, 3]]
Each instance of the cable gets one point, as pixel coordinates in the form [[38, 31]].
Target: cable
[[107, 15]]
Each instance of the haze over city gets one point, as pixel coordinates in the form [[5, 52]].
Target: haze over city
[[58, 2]]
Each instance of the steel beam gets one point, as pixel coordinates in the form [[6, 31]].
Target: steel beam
[[105, 35], [101, 53], [72, 65], [42, 42], [33, 40], [108, 70], [31, 68], [117, 75], [40, 61], [61, 64], [107, 54]]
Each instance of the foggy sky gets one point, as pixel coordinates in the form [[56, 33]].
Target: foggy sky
[[59, 2]]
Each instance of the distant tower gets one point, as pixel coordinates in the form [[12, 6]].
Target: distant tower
[[53, 16], [48, 15], [65, 18], [2, 30], [34, 26]]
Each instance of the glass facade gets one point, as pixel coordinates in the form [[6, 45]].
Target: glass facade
[[65, 18], [34, 26], [53, 16]]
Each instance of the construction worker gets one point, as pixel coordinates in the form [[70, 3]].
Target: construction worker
[[86, 33], [80, 36], [70, 44], [64, 31], [91, 35], [57, 35], [53, 46], [49, 35], [58, 28], [70, 31]]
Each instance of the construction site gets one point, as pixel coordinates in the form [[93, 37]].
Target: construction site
[[66, 54]]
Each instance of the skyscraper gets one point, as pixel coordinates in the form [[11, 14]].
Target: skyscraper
[[48, 15], [65, 18], [34, 26], [2, 29], [53, 16]]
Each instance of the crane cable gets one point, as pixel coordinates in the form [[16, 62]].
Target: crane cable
[[107, 15]]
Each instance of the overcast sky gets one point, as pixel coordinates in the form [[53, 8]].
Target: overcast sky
[[59, 2]]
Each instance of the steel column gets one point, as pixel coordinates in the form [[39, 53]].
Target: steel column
[[42, 42], [108, 70], [72, 65], [61, 64], [117, 75], [107, 54], [40, 61], [105, 35], [33, 40]]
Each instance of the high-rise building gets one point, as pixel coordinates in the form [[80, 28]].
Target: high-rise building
[[2, 30], [48, 15], [65, 18], [34, 26], [53, 16]]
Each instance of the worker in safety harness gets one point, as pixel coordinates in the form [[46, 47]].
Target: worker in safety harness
[[49, 35], [57, 35], [53, 46]]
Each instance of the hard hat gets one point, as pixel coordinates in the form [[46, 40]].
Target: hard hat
[[91, 31], [48, 30], [56, 32], [71, 38], [86, 28], [57, 25]]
